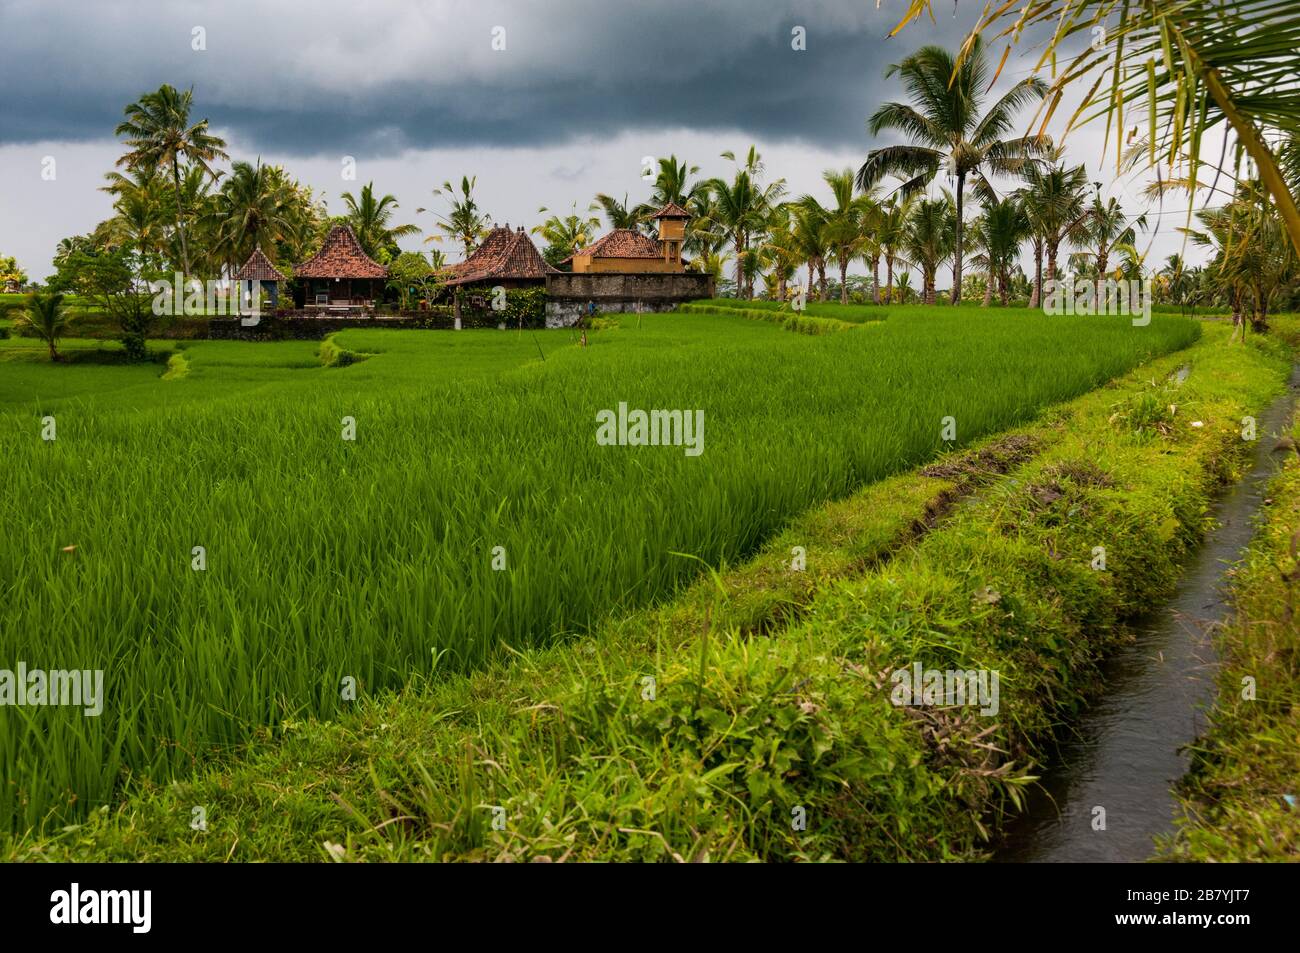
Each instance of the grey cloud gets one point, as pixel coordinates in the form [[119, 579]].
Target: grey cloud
[[326, 79]]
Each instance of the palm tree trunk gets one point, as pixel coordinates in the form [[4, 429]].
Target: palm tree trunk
[[821, 280], [54, 354], [889, 279], [180, 217], [844, 279], [1051, 261], [740, 264], [1036, 298], [957, 249], [875, 279], [988, 287], [1103, 259], [1003, 281]]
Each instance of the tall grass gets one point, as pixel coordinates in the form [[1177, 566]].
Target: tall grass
[[372, 558]]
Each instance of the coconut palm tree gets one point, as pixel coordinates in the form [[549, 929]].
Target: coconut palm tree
[[564, 236], [890, 234], [1105, 228], [930, 239], [780, 250], [159, 135], [305, 222], [370, 219], [845, 224], [619, 214], [1198, 65], [948, 132], [810, 237], [673, 184], [252, 209], [464, 222], [1055, 200], [1001, 230], [741, 208], [709, 263], [904, 288], [142, 208], [45, 314], [1252, 260]]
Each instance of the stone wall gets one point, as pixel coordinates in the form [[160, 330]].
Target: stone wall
[[567, 294], [292, 328]]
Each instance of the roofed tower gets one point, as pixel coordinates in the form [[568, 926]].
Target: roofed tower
[[672, 219]]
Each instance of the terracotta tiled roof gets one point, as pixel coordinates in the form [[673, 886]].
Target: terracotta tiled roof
[[505, 253], [672, 210], [259, 268], [341, 256], [623, 243]]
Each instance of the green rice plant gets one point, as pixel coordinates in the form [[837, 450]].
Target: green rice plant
[[469, 509]]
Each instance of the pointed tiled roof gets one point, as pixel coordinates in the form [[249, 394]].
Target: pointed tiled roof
[[623, 243], [259, 268], [340, 256], [672, 210], [505, 253]]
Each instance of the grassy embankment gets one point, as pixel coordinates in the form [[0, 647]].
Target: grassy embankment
[[1241, 798], [817, 317], [770, 689]]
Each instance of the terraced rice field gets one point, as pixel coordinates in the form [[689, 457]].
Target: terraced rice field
[[473, 509]]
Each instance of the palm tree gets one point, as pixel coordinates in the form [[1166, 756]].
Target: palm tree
[[930, 239], [305, 222], [464, 221], [159, 134], [1231, 62], [904, 288], [673, 184], [810, 237], [1252, 260], [252, 209], [1055, 201], [780, 250], [370, 218], [742, 207], [620, 214], [1105, 228], [1002, 228], [709, 263], [890, 234], [45, 314], [948, 131], [564, 236], [142, 208], [845, 224]]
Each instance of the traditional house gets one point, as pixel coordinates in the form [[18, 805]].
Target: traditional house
[[341, 274], [628, 251], [507, 257], [259, 268]]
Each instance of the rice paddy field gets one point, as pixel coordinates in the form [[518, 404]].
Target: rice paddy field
[[472, 511]]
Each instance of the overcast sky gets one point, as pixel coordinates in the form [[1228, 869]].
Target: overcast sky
[[415, 91]]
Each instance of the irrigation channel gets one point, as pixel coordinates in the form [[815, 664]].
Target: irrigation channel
[[1126, 753]]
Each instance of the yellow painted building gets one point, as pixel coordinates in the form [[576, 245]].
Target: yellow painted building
[[627, 251]]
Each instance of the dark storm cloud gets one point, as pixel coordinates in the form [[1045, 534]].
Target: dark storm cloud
[[378, 78]]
